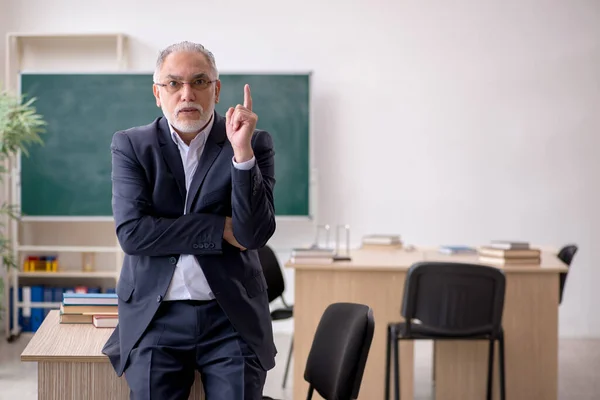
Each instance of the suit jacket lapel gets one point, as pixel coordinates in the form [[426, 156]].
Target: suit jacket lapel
[[212, 148], [171, 155]]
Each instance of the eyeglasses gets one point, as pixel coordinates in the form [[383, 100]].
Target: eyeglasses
[[197, 84]]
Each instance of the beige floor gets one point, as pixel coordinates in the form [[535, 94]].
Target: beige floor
[[579, 371]]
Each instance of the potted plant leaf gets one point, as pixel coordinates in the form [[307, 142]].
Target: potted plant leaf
[[20, 127]]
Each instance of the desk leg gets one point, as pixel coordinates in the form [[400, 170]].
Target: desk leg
[[531, 339], [90, 381], [382, 291]]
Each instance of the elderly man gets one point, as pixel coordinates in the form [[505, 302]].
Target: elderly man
[[192, 202]]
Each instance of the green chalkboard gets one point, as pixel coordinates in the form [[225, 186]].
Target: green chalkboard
[[70, 174]]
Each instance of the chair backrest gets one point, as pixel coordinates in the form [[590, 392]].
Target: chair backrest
[[455, 299], [272, 271], [340, 347], [566, 255]]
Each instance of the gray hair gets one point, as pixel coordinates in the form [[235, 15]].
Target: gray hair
[[185, 46]]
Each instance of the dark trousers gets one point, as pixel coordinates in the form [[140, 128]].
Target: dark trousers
[[185, 336]]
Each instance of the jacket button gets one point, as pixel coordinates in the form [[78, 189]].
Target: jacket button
[[173, 260], [158, 298]]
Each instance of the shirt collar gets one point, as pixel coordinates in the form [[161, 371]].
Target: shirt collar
[[203, 132]]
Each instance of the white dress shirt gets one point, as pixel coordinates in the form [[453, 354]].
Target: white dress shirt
[[189, 281]]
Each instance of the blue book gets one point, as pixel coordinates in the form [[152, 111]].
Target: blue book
[[77, 299], [25, 298], [48, 298], [37, 313]]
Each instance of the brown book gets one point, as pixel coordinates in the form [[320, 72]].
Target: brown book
[[509, 253], [380, 239], [509, 261], [75, 319], [88, 309], [368, 246]]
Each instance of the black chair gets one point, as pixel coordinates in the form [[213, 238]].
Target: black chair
[[275, 288], [338, 355], [340, 348], [450, 301], [566, 255]]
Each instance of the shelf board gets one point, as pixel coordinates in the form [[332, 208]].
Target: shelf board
[[65, 35], [68, 274], [37, 305], [70, 249]]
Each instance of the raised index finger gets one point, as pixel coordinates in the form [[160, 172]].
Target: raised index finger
[[247, 97]]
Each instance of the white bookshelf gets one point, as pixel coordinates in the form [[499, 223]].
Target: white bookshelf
[[66, 237], [68, 241]]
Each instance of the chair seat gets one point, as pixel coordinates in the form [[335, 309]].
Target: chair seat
[[421, 331], [282, 313]]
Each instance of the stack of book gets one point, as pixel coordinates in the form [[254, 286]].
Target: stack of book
[[380, 241], [509, 253], [99, 309], [312, 256]]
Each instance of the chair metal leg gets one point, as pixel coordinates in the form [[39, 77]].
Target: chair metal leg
[[490, 369], [287, 364], [502, 371], [433, 362], [396, 347], [388, 355], [310, 392]]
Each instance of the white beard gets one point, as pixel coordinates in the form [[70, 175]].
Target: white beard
[[187, 126]]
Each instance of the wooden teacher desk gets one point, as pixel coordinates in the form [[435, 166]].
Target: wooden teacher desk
[[376, 278], [71, 365]]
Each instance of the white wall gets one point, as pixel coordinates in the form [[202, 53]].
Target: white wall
[[448, 122]]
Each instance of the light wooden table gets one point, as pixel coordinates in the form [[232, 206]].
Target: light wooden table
[[376, 278], [71, 365]]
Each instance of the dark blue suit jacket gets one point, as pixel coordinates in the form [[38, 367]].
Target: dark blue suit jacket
[[148, 203]]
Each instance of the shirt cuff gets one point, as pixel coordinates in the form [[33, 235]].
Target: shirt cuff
[[246, 165]]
